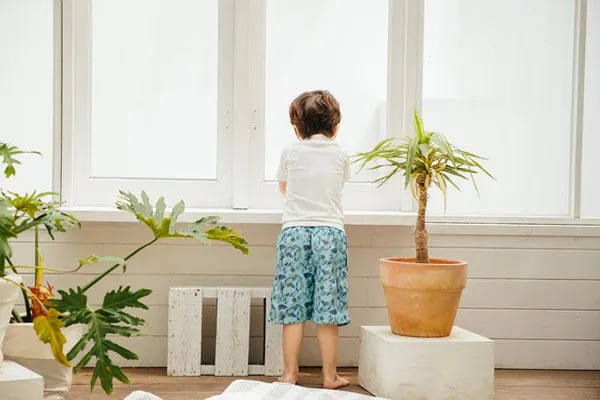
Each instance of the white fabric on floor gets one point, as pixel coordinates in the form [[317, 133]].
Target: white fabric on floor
[[255, 390], [139, 395]]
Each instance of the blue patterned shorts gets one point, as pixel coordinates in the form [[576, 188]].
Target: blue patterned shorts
[[311, 281]]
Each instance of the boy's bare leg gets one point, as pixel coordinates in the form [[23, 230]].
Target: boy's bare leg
[[328, 343], [292, 339]]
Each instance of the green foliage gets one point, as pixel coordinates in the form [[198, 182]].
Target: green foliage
[[94, 259], [6, 232], [48, 330], [202, 230], [31, 210], [426, 157], [19, 213], [8, 154], [108, 321]]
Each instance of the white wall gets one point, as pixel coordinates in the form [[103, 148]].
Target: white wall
[[536, 291]]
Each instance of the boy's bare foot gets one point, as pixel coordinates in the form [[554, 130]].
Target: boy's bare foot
[[338, 383], [288, 378]]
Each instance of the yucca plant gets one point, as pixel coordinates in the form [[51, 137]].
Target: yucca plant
[[425, 159]]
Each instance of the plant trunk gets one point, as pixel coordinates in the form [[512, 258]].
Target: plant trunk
[[421, 230]]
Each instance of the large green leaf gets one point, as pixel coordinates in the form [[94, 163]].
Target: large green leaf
[[8, 154], [29, 203], [6, 228], [224, 234], [31, 210], [203, 230], [109, 320], [55, 220], [48, 330]]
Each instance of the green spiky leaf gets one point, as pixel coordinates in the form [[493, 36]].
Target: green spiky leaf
[[426, 157], [94, 259], [109, 320], [203, 230], [9, 154]]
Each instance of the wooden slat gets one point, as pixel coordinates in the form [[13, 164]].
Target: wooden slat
[[273, 342], [185, 332], [254, 370], [233, 332]]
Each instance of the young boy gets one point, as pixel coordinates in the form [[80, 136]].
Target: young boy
[[311, 281]]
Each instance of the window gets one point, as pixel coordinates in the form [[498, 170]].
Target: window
[[591, 115], [338, 45], [26, 90], [315, 45], [497, 81], [189, 99], [151, 100]]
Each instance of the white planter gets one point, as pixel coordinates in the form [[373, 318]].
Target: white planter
[[22, 345], [8, 294]]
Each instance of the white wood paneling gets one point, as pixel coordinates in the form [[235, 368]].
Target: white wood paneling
[[537, 295], [522, 354]]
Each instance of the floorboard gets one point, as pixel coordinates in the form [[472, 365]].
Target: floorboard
[[509, 385]]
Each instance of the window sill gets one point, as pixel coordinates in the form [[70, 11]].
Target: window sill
[[230, 216], [437, 225]]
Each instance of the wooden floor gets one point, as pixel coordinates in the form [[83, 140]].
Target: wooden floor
[[510, 385]]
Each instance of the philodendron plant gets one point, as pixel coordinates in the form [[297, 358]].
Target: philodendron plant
[[424, 159], [49, 313]]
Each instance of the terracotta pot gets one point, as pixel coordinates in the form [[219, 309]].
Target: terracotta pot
[[422, 299]]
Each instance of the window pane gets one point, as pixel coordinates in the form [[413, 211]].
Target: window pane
[[26, 89], [497, 82], [338, 45], [154, 89], [591, 115]]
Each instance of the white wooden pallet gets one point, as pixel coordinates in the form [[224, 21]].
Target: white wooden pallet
[[232, 336]]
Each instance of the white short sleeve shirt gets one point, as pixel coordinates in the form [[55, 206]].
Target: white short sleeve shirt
[[315, 170]]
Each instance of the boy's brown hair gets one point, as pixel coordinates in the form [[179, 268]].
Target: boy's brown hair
[[314, 113]]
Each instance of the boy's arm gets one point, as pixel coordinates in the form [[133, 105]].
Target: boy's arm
[[347, 168], [282, 173], [283, 187]]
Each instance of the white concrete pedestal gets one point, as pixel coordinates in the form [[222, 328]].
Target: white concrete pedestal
[[459, 367], [19, 383]]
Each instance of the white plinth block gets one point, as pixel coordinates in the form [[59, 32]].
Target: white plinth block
[[459, 367], [19, 383]]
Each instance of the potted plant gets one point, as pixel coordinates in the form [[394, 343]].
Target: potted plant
[[21, 343], [422, 294], [54, 317]]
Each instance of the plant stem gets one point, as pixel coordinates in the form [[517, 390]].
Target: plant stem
[[16, 316], [38, 271], [420, 229], [26, 226], [23, 291], [111, 269]]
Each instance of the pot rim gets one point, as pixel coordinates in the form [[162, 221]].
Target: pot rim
[[437, 262]]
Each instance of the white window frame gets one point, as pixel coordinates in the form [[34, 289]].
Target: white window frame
[[403, 92], [79, 187], [249, 198], [576, 136]]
